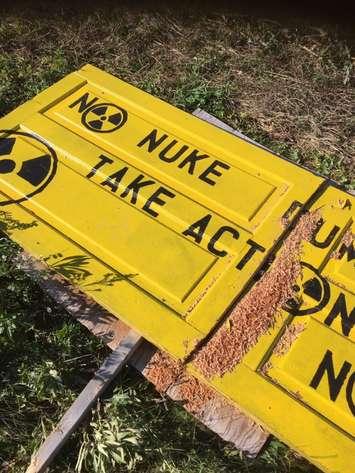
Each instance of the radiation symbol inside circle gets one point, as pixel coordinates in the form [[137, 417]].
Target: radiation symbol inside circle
[[311, 295], [104, 118], [27, 166]]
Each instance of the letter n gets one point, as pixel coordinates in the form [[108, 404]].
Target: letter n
[[83, 102], [334, 382], [339, 308]]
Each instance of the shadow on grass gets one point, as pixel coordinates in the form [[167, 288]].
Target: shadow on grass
[[168, 438]]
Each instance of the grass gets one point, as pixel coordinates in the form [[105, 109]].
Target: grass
[[46, 358], [285, 84]]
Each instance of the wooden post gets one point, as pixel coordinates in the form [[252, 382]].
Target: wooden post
[[81, 406]]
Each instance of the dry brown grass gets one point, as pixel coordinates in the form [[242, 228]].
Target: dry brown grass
[[288, 84]]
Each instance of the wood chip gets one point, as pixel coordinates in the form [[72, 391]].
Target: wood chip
[[290, 334], [163, 371], [168, 374], [345, 243], [195, 394]]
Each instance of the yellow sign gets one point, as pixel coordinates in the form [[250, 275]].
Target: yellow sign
[[323, 373], [168, 221], [177, 214], [298, 378]]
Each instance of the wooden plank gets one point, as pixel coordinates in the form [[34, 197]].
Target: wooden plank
[[95, 318], [215, 121], [230, 423], [81, 406]]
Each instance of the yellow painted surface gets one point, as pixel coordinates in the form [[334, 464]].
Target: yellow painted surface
[[296, 369], [304, 393], [183, 212], [164, 220], [289, 419]]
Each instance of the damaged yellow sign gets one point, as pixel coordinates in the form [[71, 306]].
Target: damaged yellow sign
[[323, 373], [168, 222], [286, 351]]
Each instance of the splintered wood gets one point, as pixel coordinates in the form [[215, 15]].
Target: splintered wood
[[209, 407], [169, 376], [255, 314], [345, 243], [290, 334]]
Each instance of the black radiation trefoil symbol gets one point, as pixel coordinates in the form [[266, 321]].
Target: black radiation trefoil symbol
[[104, 118], [36, 166], [315, 286], [32, 170]]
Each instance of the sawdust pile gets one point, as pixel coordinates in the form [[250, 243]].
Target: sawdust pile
[[163, 371], [195, 394], [255, 314], [346, 241], [169, 375], [290, 334]]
